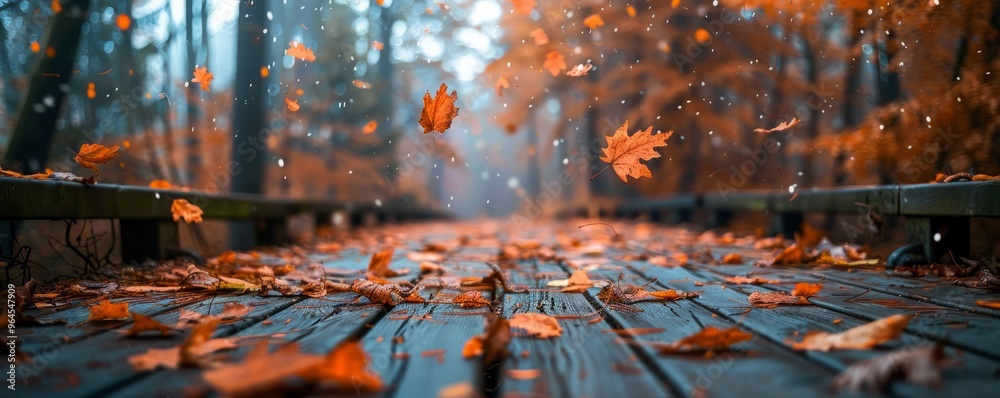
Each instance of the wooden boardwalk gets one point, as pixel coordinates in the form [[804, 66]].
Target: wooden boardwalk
[[417, 348]]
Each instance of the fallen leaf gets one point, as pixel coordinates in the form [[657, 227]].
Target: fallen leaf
[[492, 343], [774, 299], [292, 104], [732, 258], [624, 152], [554, 62], [739, 280], [864, 337], [347, 367], [182, 209], [710, 339], [593, 21], [204, 77], [379, 265], [523, 7], [258, 371], [91, 155], [577, 282], [144, 324], [471, 299], [806, 290], [916, 365], [538, 325], [438, 113], [233, 310], [300, 51], [105, 310], [539, 36], [189, 353], [781, 127]]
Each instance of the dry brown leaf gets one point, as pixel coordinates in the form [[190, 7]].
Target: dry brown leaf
[[347, 367], [203, 77], [554, 62], [105, 310], [439, 112], [774, 299], [189, 353], [300, 51], [523, 7], [624, 152], [144, 324], [580, 70], [378, 266], [539, 36], [781, 127], [806, 290], [864, 337], [91, 155], [577, 282], [259, 371], [732, 258], [182, 209], [492, 343], [471, 299], [920, 365], [538, 325], [234, 310], [710, 339]]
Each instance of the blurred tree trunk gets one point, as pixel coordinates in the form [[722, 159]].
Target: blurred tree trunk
[[852, 79], [36, 119], [249, 151], [192, 153], [812, 125], [887, 83]]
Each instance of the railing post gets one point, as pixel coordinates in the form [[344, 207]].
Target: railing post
[[940, 236]]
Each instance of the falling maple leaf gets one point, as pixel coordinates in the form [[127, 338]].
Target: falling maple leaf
[[347, 367], [501, 84], [917, 365], [204, 77], [538, 325], [864, 337], [292, 104], [471, 299], [144, 324], [182, 209], [361, 84], [710, 339], [624, 152], [300, 51], [105, 310], [539, 36], [123, 22], [378, 45], [56, 7], [781, 127], [554, 62], [774, 299], [370, 127], [806, 290], [580, 70], [593, 21], [91, 155], [630, 10], [439, 112], [523, 7]]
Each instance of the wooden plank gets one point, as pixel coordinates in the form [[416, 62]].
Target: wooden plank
[[317, 325], [756, 368], [975, 376], [973, 198], [99, 364], [584, 361]]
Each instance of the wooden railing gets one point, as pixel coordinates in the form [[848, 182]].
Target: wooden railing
[[937, 216], [147, 226]]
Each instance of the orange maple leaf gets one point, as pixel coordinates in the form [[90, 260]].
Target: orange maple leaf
[[347, 367], [780, 127], [439, 112], [203, 77], [554, 62], [91, 155], [864, 337], [593, 21], [580, 70], [523, 7], [106, 310], [378, 45], [624, 152], [292, 104], [540, 37], [190, 212], [370, 127], [300, 51], [378, 266]]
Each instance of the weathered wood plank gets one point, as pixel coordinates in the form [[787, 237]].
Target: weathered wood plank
[[99, 364]]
